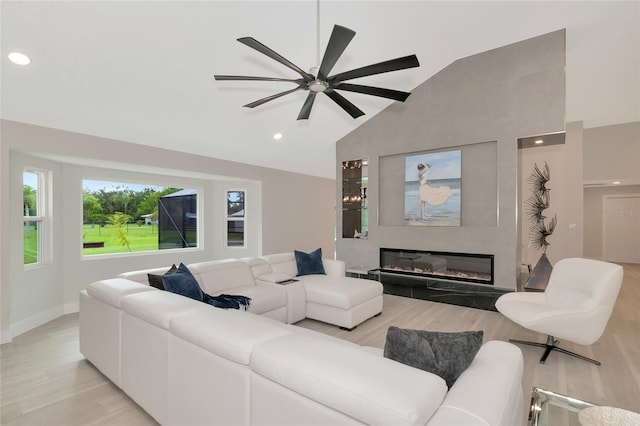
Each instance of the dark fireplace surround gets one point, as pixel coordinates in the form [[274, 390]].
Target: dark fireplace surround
[[464, 279]]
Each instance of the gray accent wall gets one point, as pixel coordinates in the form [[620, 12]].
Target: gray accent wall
[[486, 102]]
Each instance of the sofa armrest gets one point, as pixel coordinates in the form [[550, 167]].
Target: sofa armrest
[[489, 391], [334, 267]]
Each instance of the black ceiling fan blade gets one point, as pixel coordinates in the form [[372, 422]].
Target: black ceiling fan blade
[[306, 107], [351, 109], [270, 98], [338, 42], [255, 44], [396, 95], [397, 64], [251, 78]]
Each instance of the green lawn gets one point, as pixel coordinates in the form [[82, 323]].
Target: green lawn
[[30, 244], [141, 238]]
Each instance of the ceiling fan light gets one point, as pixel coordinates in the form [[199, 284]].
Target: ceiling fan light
[[318, 86]]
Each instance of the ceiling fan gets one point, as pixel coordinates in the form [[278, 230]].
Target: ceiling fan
[[318, 79]]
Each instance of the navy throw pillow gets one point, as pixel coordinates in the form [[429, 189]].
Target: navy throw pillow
[[444, 354], [156, 280], [183, 282], [309, 263]]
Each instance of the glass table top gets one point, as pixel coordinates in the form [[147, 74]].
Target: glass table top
[[554, 409]]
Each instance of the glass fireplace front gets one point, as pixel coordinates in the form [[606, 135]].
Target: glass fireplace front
[[462, 267]]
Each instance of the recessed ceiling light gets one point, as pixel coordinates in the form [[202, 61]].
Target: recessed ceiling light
[[539, 141], [19, 58], [277, 136], [617, 182]]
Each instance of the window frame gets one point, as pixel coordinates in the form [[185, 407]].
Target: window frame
[[229, 219], [199, 191], [41, 219]]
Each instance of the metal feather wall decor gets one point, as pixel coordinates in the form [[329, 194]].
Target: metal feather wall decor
[[536, 204], [539, 178], [539, 230]]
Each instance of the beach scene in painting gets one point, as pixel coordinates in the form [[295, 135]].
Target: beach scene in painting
[[432, 189]]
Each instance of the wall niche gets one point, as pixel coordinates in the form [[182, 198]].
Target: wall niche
[[479, 188], [355, 215]]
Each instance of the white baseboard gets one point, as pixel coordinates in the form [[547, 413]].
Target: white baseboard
[[5, 337], [71, 308], [36, 320]]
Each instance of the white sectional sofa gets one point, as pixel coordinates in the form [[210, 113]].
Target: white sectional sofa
[[189, 363]]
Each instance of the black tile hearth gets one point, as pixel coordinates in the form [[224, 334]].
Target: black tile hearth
[[453, 293]]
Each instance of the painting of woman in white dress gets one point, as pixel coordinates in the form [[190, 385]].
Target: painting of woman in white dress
[[432, 188]]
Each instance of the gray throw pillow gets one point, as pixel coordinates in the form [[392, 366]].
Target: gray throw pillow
[[444, 354]]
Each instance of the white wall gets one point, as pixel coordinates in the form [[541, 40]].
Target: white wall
[[285, 211], [5, 296], [35, 291], [611, 153]]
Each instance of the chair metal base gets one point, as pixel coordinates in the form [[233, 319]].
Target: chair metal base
[[549, 346]]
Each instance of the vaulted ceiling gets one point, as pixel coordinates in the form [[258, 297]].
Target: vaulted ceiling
[[142, 72]]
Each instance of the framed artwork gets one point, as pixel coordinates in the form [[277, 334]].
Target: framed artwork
[[432, 188]]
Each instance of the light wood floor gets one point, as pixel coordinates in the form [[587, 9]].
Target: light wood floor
[[46, 381]]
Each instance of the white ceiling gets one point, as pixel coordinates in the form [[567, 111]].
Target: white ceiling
[[143, 71]]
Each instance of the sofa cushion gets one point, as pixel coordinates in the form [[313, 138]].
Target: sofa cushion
[[309, 263], [258, 265], [155, 280], [158, 307], [183, 282], [142, 275], [444, 354], [366, 387], [229, 334], [222, 276], [112, 291], [341, 292], [294, 329], [284, 263]]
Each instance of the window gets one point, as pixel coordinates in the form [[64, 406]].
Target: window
[[235, 218], [125, 217], [33, 207]]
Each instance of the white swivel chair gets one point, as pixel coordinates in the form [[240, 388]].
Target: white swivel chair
[[575, 306]]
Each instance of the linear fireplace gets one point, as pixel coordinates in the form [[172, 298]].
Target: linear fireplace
[[464, 279], [442, 266]]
